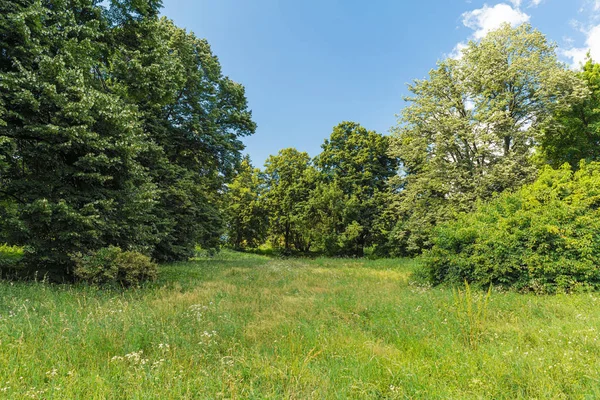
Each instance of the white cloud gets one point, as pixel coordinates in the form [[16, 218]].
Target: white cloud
[[577, 55], [535, 3], [457, 51], [486, 19]]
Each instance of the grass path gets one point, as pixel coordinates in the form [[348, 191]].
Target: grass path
[[245, 326]]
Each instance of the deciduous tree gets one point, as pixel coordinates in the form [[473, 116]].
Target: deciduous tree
[[289, 186], [470, 129], [575, 135], [356, 163], [247, 217], [194, 118]]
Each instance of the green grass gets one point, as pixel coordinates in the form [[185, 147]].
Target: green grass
[[246, 326]]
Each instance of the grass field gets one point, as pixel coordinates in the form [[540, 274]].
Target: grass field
[[245, 326]]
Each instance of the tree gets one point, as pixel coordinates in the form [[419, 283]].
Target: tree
[[193, 117], [117, 128], [356, 164], [323, 215], [471, 128], [70, 179], [247, 219], [576, 134], [289, 183]]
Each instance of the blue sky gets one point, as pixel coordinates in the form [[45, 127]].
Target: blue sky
[[308, 65]]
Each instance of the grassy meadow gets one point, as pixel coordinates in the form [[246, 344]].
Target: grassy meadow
[[243, 326]]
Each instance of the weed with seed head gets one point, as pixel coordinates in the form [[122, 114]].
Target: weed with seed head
[[471, 313]]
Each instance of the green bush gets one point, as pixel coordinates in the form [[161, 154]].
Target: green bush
[[544, 237], [10, 256], [111, 265]]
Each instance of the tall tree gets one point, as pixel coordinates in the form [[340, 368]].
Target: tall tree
[[358, 165], [116, 128], [288, 179], [470, 129], [576, 134], [246, 214], [70, 180], [192, 115]]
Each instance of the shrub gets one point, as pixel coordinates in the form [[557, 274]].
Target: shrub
[[135, 267], [544, 237], [10, 257], [111, 265], [8, 252]]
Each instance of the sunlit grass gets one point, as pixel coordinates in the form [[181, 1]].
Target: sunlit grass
[[246, 326]]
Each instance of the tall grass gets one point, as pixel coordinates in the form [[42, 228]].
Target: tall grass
[[471, 313], [242, 326]]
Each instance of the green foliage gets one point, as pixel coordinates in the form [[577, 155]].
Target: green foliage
[[325, 209], [10, 256], [71, 180], [331, 205], [575, 135], [542, 237], [470, 129], [116, 128], [355, 170], [111, 265], [247, 218], [193, 116], [289, 180]]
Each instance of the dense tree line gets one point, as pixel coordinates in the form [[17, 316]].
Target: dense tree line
[[117, 128], [120, 141], [331, 204], [480, 125]]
